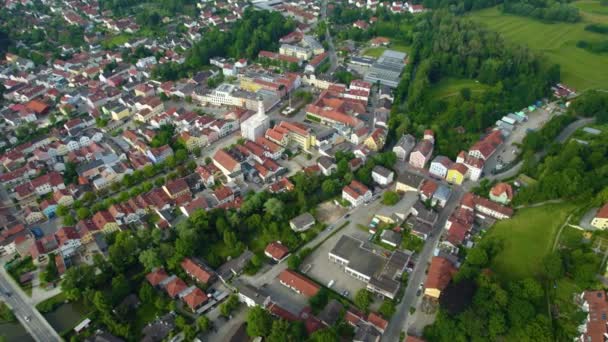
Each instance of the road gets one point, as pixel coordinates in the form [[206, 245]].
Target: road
[[399, 321], [37, 326], [333, 58]]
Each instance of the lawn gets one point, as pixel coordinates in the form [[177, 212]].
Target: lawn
[[377, 51], [451, 86], [527, 238], [374, 51], [580, 69]]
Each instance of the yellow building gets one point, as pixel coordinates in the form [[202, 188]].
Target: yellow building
[[120, 113], [600, 221], [457, 173]]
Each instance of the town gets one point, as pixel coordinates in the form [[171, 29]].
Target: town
[[221, 171]]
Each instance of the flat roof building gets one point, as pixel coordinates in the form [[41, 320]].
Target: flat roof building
[[387, 69]]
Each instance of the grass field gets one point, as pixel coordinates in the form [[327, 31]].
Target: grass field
[[580, 69], [374, 51], [527, 237], [377, 51], [451, 86], [592, 7]]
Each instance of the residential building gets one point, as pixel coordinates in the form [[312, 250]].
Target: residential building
[[594, 328], [356, 193], [198, 271], [439, 275], [600, 221], [501, 193], [439, 166], [457, 173], [408, 182], [382, 176], [421, 154], [404, 146], [276, 251], [298, 283], [302, 222]]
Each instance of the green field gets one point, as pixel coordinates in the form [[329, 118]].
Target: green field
[[374, 51], [527, 238], [580, 69], [377, 51], [592, 7], [451, 86]]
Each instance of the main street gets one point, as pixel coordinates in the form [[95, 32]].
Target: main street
[[26, 313], [398, 322], [333, 58]]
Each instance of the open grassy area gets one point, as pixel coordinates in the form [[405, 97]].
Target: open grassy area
[[592, 7], [580, 69], [451, 86], [374, 51], [527, 238], [377, 51]]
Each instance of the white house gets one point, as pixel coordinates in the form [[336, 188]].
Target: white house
[[382, 176]]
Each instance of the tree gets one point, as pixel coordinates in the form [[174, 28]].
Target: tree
[[324, 335], [62, 210], [390, 198], [83, 213], [363, 299], [50, 271], [150, 258], [274, 207], [203, 324], [68, 220], [229, 305], [146, 292], [387, 309], [294, 261], [120, 287], [279, 331], [329, 187], [259, 322]]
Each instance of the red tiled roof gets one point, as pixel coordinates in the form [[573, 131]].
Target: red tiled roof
[[196, 271], [195, 298], [276, 250], [226, 160], [175, 287], [304, 285], [603, 212], [157, 276], [377, 321], [440, 273], [176, 186], [501, 188], [598, 309]]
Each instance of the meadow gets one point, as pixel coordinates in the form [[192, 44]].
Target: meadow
[[557, 41]]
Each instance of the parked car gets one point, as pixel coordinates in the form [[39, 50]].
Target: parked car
[[331, 283]]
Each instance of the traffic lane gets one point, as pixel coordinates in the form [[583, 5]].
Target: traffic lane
[[399, 320], [36, 326]]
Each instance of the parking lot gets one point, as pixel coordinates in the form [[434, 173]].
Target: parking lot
[[324, 271], [509, 150]]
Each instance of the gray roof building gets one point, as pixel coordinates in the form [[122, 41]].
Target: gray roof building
[[387, 69], [302, 222]]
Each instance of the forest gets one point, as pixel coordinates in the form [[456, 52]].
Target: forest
[[258, 30], [550, 10], [448, 46]]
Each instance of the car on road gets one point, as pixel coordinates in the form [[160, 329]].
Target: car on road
[[347, 216], [331, 283], [27, 318], [345, 293]]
